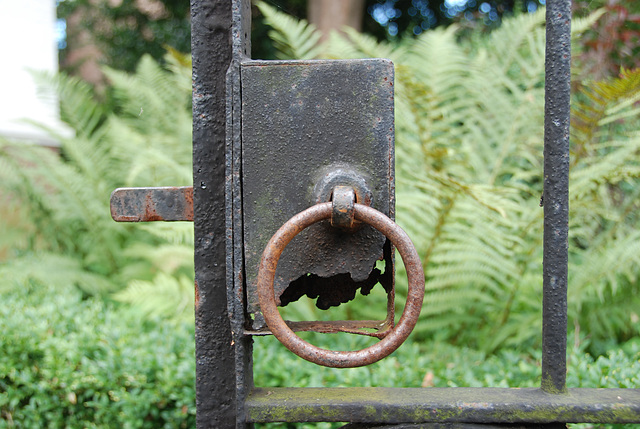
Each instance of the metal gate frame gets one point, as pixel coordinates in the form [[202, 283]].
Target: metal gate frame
[[226, 396]]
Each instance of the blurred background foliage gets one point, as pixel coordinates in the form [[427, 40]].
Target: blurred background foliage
[[469, 179], [97, 323], [68, 236], [117, 33]]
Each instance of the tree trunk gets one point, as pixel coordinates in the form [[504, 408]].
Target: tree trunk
[[329, 15], [83, 57]]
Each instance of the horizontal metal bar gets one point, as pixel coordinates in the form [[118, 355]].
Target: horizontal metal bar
[[333, 326], [453, 426], [152, 204], [442, 405]]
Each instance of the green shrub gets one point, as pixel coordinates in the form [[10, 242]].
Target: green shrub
[[437, 364], [69, 362]]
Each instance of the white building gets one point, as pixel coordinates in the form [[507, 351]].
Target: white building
[[27, 42]]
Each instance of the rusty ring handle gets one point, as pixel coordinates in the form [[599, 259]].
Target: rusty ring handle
[[333, 358]]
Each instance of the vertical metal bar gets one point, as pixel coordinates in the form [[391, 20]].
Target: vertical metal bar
[[556, 194], [236, 295], [215, 358]]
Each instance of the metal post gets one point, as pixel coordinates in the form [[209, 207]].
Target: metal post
[[215, 356], [556, 195]]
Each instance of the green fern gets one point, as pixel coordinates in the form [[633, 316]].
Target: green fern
[[602, 105], [469, 120], [68, 235], [293, 39], [78, 108], [56, 271], [605, 173], [469, 138], [164, 295]]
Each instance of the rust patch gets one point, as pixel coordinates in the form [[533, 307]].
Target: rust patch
[[197, 295], [188, 199], [152, 204], [150, 213]]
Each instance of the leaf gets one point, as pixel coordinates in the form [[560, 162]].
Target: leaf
[[293, 39]]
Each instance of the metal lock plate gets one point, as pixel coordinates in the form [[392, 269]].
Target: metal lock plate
[[308, 126]]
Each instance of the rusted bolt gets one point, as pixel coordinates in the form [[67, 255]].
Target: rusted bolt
[[332, 358], [342, 202], [341, 175]]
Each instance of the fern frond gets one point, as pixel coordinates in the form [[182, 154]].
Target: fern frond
[[518, 44], [173, 233], [524, 326], [67, 197], [622, 261], [352, 44], [166, 258], [179, 65], [603, 103], [162, 154], [149, 93], [164, 296], [293, 39], [78, 108], [618, 164], [55, 271], [581, 24]]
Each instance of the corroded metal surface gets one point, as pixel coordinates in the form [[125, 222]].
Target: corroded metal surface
[[442, 405], [453, 426], [332, 326], [303, 121], [343, 200], [556, 194], [216, 394], [152, 204], [332, 358], [234, 255]]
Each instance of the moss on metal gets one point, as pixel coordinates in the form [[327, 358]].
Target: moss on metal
[[412, 405]]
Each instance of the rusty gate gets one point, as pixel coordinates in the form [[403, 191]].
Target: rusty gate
[[293, 195]]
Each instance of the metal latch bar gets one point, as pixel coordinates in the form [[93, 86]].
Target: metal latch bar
[[152, 204]]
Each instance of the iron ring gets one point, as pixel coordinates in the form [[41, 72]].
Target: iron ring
[[333, 358]]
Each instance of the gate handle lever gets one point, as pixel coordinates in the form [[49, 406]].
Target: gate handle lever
[[332, 358]]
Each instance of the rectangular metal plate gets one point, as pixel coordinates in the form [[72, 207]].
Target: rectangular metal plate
[[301, 122]]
